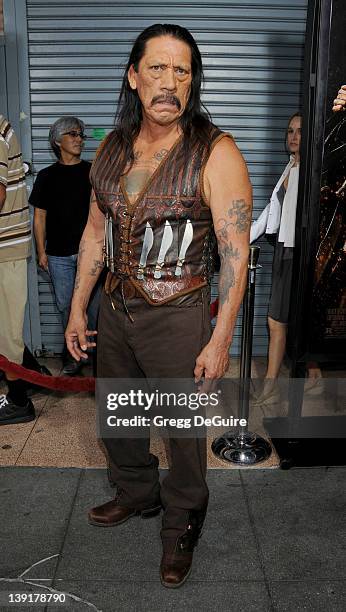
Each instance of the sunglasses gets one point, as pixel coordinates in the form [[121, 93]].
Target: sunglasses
[[75, 134]]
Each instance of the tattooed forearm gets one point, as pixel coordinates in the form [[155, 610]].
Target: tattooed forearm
[[81, 249], [77, 280], [98, 265], [228, 254], [80, 254], [227, 275]]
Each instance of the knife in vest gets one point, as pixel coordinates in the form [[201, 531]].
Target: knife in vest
[[187, 239], [167, 240], [147, 244]]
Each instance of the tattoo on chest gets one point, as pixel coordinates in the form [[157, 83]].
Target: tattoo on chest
[[135, 180], [137, 155], [160, 154], [141, 171]]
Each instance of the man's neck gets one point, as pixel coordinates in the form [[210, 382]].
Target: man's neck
[[152, 133], [69, 160]]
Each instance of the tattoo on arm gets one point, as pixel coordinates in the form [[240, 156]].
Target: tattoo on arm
[[227, 255], [80, 253], [98, 265], [77, 280], [239, 216]]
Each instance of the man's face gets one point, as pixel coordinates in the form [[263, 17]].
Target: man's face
[[72, 142], [163, 80]]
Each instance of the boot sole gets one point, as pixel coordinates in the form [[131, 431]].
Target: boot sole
[[144, 514], [18, 420], [170, 585]]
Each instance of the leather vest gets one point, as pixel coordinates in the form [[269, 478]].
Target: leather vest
[[163, 243]]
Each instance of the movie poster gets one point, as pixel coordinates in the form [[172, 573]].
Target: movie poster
[[328, 331]]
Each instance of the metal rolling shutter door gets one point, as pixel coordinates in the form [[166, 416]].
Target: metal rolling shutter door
[[252, 55]]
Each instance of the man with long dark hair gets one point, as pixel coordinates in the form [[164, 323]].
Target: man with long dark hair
[[166, 181]]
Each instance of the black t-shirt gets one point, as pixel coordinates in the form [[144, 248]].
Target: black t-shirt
[[64, 192]]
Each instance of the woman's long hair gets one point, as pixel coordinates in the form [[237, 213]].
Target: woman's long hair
[[195, 122]]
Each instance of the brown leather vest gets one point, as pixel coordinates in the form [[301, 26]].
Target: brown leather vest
[[164, 242]]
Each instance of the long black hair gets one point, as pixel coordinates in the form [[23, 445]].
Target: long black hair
[[195, 121]]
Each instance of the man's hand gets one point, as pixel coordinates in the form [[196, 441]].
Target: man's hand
[[340, 101], [77, 336], [212, 362], [43, 261], [89, 266]]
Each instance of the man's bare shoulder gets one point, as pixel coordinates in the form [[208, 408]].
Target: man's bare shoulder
[[226, 168], [224, 152]]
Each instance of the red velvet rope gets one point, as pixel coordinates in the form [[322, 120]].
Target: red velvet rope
[[58, 383], [214, 307], [62, 383]]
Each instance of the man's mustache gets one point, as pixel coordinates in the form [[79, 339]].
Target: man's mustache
[[168, 99]]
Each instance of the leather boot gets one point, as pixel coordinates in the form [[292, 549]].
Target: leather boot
[[112, 513], [176, 563]]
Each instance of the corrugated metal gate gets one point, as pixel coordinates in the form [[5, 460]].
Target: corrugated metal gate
[[252, 56]]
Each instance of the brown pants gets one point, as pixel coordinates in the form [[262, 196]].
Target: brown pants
[[162, 342]]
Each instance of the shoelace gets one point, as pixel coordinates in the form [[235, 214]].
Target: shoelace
[[3, 401]]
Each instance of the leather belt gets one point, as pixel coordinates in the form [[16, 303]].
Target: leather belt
[[120, 287]]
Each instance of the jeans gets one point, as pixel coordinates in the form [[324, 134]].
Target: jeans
[[62, 272]]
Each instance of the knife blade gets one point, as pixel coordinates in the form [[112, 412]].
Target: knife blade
[[105, 243], [167, 240], [147, 244], [111, 244], [187, 239]]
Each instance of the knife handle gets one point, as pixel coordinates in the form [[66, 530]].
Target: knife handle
[[158, 270], [140, 273], [178, 267]]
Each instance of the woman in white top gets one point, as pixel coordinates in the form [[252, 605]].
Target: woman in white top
[[277, 221]]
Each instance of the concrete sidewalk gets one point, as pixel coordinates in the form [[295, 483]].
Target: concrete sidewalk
[[273, 540]]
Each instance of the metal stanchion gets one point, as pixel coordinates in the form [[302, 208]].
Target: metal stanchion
[[244, 447]]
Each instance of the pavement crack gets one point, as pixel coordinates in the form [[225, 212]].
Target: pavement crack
[[37, 563], [21, 580]]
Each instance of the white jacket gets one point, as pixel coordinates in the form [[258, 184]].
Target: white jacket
[[269, 220]]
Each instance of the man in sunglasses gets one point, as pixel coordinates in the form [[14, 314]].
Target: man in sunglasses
[[61, 197]]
